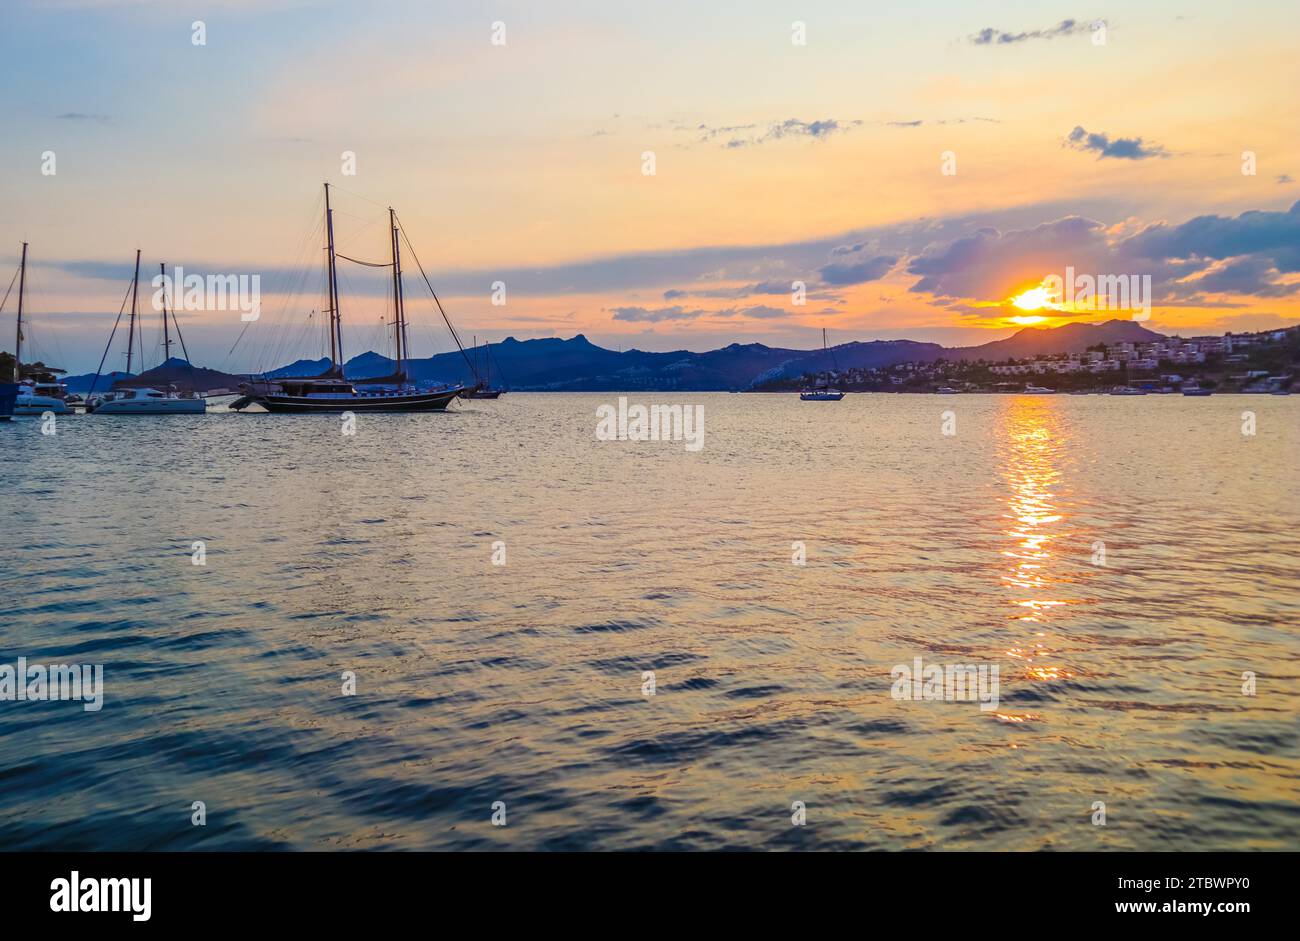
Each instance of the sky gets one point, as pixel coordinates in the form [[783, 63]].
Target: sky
[[914, 166]]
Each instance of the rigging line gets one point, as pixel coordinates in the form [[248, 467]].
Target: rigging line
[[358, 195], [108, 345], [358, 261], [194, 382], [10, 288], [455, 336]]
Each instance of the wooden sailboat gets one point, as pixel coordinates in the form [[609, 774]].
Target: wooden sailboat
[[821, 391], [129, 398], [332, 392]]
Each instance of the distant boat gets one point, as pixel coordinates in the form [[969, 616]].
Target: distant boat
[[1127, 390], [1280, 392], [122, 399], [331, 392], [1199, 391], [1038, 390], [822, 391], [946, 390], [39, 391], [484, 389]]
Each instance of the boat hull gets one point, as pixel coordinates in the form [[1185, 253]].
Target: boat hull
[[820, 396], [155, 407], [8, 395], [483, 394], [39, 405], [304, 404]]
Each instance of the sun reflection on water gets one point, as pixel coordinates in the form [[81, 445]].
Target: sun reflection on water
[[1032, 449]]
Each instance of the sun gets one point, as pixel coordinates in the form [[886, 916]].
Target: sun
[[1026, 321], [1033, 299]]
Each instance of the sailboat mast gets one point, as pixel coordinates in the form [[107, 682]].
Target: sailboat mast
[[167, 337], [18, 340], [399, 318], [135, 290], [336, 327]]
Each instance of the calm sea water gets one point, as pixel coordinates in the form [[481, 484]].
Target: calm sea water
[[523, 683]]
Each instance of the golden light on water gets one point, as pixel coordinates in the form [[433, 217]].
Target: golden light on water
[[1032, 447]]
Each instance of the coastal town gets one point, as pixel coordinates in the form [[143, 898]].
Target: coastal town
[[1262, 362]]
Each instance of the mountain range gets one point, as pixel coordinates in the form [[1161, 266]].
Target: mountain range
[[578, 365]]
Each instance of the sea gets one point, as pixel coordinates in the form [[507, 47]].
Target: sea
[[498, 629]]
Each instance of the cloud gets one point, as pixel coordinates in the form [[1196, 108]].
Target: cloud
[[853, 266], [989, 36], [749, 135], [81, 116], [1255, 275], [1121, 148], [1284, 179], [988, 264], [1246, 254], [656, 314], [763, 311]]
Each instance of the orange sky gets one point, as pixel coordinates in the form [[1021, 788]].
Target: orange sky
[[774, 162]]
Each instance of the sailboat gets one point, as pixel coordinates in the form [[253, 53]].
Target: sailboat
[[39, 391], [331, 391], [822, 391], [125, 399], [484, 389]]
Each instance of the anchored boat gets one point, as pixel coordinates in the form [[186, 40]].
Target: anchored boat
[[821, 390], [126, 399], [484, 389], [331, 391], [39, 390]]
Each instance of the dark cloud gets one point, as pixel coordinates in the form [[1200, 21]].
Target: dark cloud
[[988, 264], [1121, 148], [656, 314], [81, 116], [763, 311], [854, 267], [1254, 275], [748, 135], [1259, 247], [1285, 178], [989, 36]]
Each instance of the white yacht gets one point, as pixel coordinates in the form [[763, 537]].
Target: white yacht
[[1038, 390], [126, 400], [146, 402], [36, 397], [39, 391]]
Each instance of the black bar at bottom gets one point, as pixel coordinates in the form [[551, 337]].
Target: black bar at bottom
[[652, 891]]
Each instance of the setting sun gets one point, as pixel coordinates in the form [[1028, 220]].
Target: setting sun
[[1026, 321], [1033, 299]]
